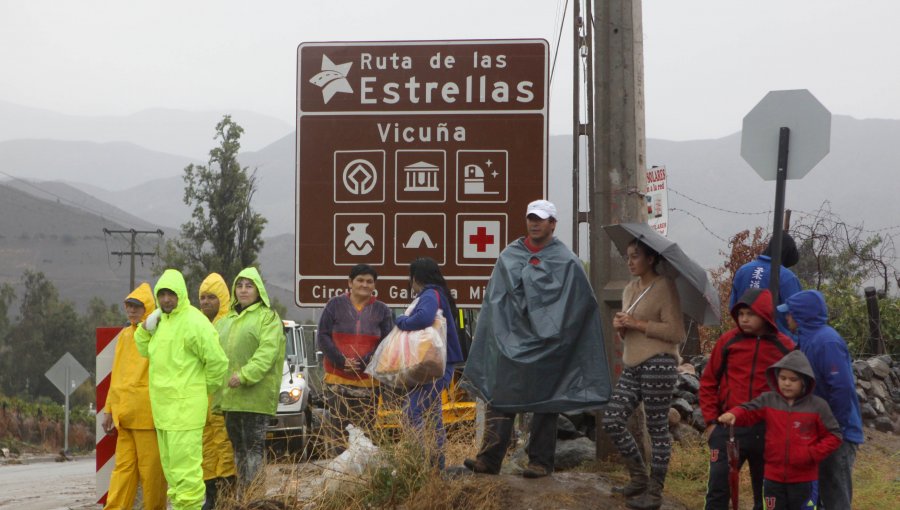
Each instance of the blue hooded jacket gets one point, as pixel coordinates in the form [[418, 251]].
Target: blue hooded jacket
[[830, 360], [755, 274]]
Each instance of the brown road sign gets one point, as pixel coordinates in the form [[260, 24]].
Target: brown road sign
[[412, 149]]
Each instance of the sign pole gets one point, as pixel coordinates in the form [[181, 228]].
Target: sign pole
[[784, 137], [66, 433]]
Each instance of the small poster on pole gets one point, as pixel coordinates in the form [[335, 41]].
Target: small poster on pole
[[656, 199]]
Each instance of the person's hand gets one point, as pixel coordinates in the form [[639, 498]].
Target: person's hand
[[708, 431], [727, 419], [235, 381], [108, 425], [617, 320], [152, 320]]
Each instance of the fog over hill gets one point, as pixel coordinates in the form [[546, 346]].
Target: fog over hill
[[177, 132]]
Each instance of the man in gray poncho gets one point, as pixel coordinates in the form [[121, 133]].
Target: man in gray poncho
[[538, 345]]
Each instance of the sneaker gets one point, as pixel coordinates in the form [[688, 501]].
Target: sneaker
[[478, 466], [535, 471]]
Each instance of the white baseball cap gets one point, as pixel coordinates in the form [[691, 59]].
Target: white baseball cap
[[543, 209]]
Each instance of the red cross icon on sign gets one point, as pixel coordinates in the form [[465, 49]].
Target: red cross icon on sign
[[481, 239]]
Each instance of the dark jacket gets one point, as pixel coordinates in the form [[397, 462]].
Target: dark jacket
[[736, 372], [755, 275], [827, 353], [799, 435]]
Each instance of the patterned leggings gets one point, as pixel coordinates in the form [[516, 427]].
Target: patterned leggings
[[653, 381]]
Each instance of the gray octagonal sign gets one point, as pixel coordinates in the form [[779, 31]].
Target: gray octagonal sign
[[810, 140]]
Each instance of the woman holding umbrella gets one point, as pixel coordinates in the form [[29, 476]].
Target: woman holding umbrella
[[651, 329]]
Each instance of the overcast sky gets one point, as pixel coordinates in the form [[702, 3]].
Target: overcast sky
[[707, 62]]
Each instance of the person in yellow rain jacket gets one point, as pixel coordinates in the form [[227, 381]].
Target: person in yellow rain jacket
[[218, 456], [252, 336], [128, 415], [186, 366]]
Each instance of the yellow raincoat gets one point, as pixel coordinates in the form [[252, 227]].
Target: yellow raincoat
[[186, 365], [128, 402], [218, 455]]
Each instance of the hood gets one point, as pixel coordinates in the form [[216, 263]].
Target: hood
[[253, 275], [173, 280], [796, 361], [144, 294], [760, 301], [215, 284], [789, 254], [808, 309]]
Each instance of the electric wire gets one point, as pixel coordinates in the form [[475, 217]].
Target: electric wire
[[562, 23]]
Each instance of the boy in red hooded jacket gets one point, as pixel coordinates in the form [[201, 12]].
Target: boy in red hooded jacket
[[736, 373], [800, 433]]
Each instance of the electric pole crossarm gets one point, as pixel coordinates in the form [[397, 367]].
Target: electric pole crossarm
[[132, 253]]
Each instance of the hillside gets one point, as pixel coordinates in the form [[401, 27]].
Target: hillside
[[177, 132]]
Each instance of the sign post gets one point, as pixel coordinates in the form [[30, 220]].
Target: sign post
[[67, 374], [415, 149], [794, 126]]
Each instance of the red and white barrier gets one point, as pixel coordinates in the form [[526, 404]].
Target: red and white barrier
[[107, 338]]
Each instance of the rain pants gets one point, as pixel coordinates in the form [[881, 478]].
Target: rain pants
[[186, 365], [538, 344], [128, 402], [253, 339], [218, 455]]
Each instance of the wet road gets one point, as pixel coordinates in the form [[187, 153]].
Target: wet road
[[48, 485]]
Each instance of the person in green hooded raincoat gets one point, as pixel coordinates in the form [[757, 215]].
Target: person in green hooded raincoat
[[186, 365], [252, 336]]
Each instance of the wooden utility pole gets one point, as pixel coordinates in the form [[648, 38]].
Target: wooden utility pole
[[134, 233], [618, 175]]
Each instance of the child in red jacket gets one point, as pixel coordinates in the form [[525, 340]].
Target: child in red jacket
[[800, 433], [736, 373]]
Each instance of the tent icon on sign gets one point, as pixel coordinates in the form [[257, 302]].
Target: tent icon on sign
[[418, 238], [473, 181]]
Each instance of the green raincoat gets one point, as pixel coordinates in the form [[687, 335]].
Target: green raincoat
[[253, 340], [186, 360]]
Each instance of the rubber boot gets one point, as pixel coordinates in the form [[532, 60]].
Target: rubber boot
[[211, 493], [638, 483], [650, 500]]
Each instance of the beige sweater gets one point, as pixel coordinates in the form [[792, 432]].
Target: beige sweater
[[661, 309]]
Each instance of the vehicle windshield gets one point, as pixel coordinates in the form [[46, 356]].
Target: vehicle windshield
[[289, 345]]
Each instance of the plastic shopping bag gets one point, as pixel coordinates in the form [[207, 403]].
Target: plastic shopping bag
[[353, 463], [410, 358]]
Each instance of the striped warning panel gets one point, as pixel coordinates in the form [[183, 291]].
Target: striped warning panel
[[107, 338]]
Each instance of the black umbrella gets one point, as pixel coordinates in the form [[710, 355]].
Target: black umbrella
[[699, 300]]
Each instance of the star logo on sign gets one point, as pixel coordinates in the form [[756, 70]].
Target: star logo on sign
[[332, 79]]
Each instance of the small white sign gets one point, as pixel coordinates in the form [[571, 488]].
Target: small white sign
[[656, 199]]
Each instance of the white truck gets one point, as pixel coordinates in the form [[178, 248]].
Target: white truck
[[290, 429]]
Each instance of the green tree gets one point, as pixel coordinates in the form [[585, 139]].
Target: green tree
[[46, 329], [224, 234], [100, 315]]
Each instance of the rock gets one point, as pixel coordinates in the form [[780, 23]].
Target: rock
[[4, 452], [697, 420], [691, 398], [880, 369], [674, 417], [681, 405], [887, 359], [864, 384], [879, 390], [688, 382], [884, 424], [685, 434], [687, 368], [897, 426], [565, 429], [867, 411], [573, 453], [862, 396], [878, 406], [862, 370]]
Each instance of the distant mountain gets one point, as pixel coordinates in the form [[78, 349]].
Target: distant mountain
[[112, 165], [62, 236], [178, 132]]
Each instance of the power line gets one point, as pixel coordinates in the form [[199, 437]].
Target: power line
[[558, 39], [704, 204], [674, 209]]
